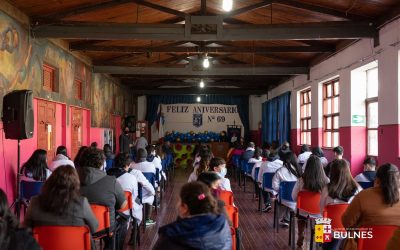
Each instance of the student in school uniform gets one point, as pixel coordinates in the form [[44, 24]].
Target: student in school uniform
[[218, 165], [338, 152], [257, 160], [35, 169], [305, 153], [369, 173], [317, 151], [249, 152], [142, 164]]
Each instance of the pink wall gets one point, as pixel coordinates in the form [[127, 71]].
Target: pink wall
[[353, 140], [295, 140], [96, 135], [388, 140]]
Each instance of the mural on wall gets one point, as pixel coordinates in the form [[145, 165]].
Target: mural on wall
[[21, 60]]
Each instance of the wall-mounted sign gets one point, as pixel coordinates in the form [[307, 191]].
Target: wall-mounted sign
[[358, 119]]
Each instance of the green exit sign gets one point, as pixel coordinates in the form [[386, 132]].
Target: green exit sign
[[358, 119]]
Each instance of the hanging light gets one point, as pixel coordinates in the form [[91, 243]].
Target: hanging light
[[198, 99], [227, 5], [201, 85], [206, 62]]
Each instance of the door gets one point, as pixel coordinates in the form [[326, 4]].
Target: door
[[76, 130], [46, 132]]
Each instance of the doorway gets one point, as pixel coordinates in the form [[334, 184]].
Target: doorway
[[46, 132], [76, 130]]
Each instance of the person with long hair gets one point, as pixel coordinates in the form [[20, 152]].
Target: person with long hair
[[314, 180], [203, 166], [378, 205], [200, 226], [318, 152], [78, 157], [290, 171], [257, 160], [342, 188], [35, 169], [12, 237], [60, 202]]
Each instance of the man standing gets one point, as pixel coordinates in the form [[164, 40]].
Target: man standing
[[141, 142], [125, 142]]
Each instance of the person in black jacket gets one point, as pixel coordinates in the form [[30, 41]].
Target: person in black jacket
[[12, 237], [199, 225]]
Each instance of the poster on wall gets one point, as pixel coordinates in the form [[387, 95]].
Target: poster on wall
[[199, 117]]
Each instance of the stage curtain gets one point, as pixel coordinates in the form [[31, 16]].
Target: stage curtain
[[276, 119], [242, 102]]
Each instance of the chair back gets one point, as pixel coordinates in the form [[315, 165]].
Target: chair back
[[233, 234], [140, 192], [109, 163], [233, 214], [335, 212], [236, 160], [249, 168], [30, 188], [381, 236], [102, 214], [62, 237], [256, 171], [267, 181], [227, 197], [285, 191], [366, 184], [129, 205], [157, 175], [151, 177], [309, 202], [164, 164]]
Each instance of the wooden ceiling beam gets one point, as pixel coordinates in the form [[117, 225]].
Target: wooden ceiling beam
[[194, 70], [161, 8], [322, 10], [200, 92], [253, 78], [203, 7], [178, 32]]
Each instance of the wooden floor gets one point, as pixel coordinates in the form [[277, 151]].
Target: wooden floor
[[257, 228]]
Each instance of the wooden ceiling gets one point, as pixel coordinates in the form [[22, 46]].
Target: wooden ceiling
[[155, 46]]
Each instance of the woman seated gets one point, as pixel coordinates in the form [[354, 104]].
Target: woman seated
[[35, 169], [341, 189], [375, 206], [60, 203], [317, 151], [203, 166], [11, 235], [313, 180], [257, 160], [199, 225], [290, 171]]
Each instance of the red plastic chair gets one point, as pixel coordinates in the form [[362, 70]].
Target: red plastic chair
[[102, 214], [227, 197], [129, 204], [380, 237], [135, 227], [62, 237], [233, 234], [335, 212], [233, 214], [307, 202]]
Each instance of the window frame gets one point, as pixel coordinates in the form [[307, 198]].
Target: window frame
[[303, 103], [81, 84], [53, 71], [325, 116]]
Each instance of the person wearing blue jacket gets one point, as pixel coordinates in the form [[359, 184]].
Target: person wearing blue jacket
[[199, 225]]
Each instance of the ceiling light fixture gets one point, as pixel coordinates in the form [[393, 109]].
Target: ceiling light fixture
[[198, 99], [206, 62], [227, 5], [201, 84]]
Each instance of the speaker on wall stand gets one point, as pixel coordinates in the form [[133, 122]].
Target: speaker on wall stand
[[18, 125]]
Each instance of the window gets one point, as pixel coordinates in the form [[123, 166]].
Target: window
[[49, 76], [372, 111], [78, 89], [331, 113], [305, 117]]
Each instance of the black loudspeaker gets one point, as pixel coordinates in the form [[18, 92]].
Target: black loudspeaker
[[130, 122], [18, 115]]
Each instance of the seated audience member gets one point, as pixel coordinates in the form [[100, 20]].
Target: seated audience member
[[290, 171], [60, 203], [35, 169], [93, 145], [284, 148], [249, 152], [12, 236], [98, 187], [142, 164], [110, 157], [199, 226], [166, 147], [369, 171], [257, 160], [203, 166], [154, 158], [61, 159], [305, 153], [266, 150], [317, 151], [341, 189], [314, 180], [79, 156], [375, 206], [218, 165], [213, 181], [270, 166], [338, 152], [204, 152], [148, 193]]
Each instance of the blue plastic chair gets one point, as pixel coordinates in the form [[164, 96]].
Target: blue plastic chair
[[244, 165], [109, 163], [30, 189], [266, 186], [255, 180], [151, 177], [284, 196], [366, 184]]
